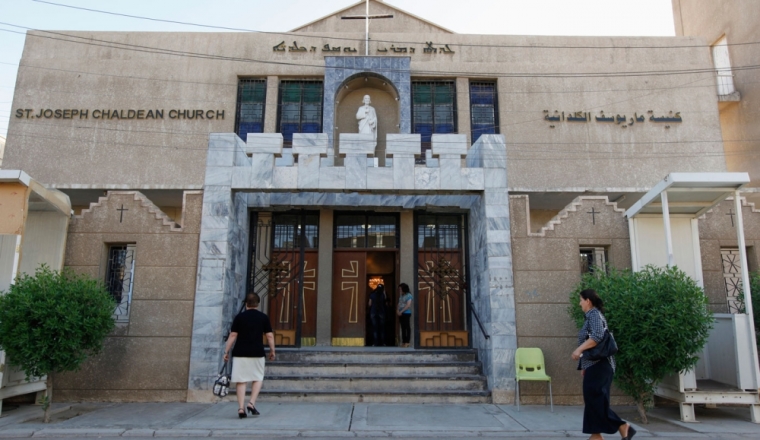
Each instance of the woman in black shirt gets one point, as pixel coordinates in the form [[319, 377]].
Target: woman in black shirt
[[248, 330]]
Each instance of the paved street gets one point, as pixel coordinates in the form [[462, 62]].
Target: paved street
[[365, 420]]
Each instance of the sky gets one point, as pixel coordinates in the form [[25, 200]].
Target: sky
[[510, 17]]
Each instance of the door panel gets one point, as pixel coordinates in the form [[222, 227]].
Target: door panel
[[349, 298], [284, 302]]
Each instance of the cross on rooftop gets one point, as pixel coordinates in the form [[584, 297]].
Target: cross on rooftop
[[367, 18]]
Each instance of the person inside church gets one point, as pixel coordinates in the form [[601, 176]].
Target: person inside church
[[404, 312], [248, 330], [377, 300]]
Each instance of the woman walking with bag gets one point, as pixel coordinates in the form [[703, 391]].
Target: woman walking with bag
[[248, 329], [597, 374], [404, 312]]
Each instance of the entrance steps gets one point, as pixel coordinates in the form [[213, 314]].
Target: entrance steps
[[375, 374]]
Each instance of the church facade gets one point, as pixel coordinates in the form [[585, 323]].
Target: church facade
[[488, 172]]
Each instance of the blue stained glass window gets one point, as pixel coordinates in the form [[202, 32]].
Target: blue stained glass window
[[433, 110], [249, 117], [484, 109], [299, 109]]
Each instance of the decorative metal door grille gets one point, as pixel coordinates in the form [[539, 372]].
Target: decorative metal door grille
[[732, 278], [120, 274], [441, 281], [283, 271]]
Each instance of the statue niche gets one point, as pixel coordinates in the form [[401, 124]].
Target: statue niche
[[379, 116]]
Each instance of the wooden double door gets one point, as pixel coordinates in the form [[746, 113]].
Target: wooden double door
[[356, 273]]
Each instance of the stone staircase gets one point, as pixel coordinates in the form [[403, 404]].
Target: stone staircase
[[364, 374]]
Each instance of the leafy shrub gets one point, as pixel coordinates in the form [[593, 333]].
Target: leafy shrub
[[660, 321], [51, 322]]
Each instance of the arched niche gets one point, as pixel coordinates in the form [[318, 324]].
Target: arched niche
[[385, 100]]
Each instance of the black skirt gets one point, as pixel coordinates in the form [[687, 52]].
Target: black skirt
[[597, 415]]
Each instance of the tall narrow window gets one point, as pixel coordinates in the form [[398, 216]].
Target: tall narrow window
[[593, 259], [120, 274], [433, 109], [249, 117], [722, 64], [484, 116], [299, 108]]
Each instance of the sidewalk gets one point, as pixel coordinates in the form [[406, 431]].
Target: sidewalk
[[341, 420]]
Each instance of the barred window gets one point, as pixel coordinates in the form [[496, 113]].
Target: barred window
[[120, 274], [299, 108], [439, 231], [484, 116], [360, 230], [251, 98], [287, 231], [433, 109]]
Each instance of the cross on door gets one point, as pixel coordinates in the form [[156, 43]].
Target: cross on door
[[367, 18]]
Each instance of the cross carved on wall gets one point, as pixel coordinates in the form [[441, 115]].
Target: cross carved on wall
[[732, 214]]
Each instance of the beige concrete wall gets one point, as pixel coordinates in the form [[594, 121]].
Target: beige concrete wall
[[546, 269], [146, 359], [170, 153], [738, 21], [715, 232]]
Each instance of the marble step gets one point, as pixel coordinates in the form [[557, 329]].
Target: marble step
[[374, 384], [382, 355], [403, 369], [433, 397]]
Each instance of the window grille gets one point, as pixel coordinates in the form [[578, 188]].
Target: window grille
[[287, 231], [359, 230], [433, 110], [299, 109], [120, 274], [592, 259], [732, 278], [484, 109], [249, 117], [439, 232]]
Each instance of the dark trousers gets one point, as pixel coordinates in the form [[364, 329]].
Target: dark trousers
[[597, 415], [406, 328], [378, 328]]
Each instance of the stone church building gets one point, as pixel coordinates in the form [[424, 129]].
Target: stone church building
[[488, 172]]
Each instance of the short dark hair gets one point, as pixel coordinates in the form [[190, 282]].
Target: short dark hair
[[404, 287], [252, 300]]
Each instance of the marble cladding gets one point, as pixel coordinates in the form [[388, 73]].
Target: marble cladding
[[236, 183], [395, 70], [444, 145], [265, 170]]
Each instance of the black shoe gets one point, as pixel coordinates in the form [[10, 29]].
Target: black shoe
[[252, 409], [631, 433], [242, 414]]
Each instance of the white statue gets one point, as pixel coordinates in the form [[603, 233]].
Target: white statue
[[367, 118]]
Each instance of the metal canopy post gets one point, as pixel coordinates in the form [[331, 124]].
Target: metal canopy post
[[666, 223], [739, 224]]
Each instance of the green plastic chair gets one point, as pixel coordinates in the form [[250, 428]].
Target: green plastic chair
[[529, 365]]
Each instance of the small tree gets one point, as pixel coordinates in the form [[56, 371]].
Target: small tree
[[51, 322], [660, 321]]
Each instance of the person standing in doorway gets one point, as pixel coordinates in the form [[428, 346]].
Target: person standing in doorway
[[377, 315], [247, 335], [404, 311]]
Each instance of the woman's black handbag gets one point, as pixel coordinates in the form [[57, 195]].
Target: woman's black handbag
[[222, 383], [605, 348]]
